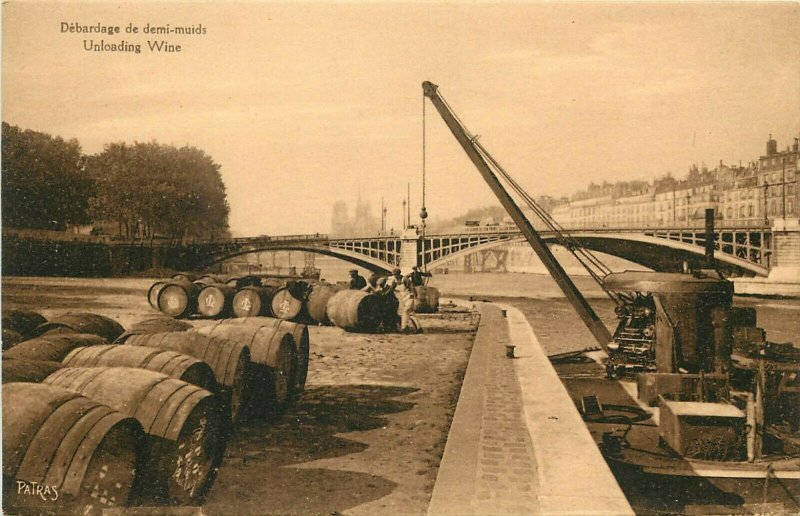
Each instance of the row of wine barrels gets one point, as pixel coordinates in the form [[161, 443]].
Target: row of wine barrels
[[51, 347], [170, 363], [355, 310], [275, 357], [249, 296], [22, 370], [184, 424], [83, 455], [227, 358], [23, 322], [83, 322]]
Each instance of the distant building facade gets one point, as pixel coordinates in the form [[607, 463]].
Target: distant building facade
[[752, 195]]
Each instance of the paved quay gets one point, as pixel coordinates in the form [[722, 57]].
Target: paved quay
[[517, 444]]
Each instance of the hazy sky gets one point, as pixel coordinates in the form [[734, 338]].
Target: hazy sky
[[305, 104]]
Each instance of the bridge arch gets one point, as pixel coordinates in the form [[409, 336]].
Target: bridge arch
[[659, 254], [439, 262], [358, 259]]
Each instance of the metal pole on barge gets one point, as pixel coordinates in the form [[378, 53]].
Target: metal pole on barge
[[573, 295]]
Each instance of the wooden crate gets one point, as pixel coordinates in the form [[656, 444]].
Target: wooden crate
[[712, 431]]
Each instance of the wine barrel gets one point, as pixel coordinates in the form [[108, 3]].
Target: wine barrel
[[65, 442], [184, 276], [153, 291], [355, 310], [175, 365], [52, 347], [253, 301], [23, 322], [285, 304], [215, 300], [154, 325], [94, 324], [33, 371], [317, 302], [227, 358], [183, 422], [426, 299], [273, 355], [178, 298], [11, 338]]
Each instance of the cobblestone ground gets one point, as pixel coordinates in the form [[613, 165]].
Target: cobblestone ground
[[506, 476]]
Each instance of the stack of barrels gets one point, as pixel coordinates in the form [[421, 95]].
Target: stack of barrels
[[294, 300], [97, 417], [211, 296]]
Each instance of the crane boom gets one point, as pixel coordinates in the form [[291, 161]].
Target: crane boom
[[574, 296]]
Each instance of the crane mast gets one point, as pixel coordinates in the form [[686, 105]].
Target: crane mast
[[573, 295]]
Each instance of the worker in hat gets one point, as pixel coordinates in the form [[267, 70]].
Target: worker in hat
[[416, 278], [357, 281]]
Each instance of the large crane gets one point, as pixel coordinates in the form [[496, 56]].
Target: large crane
[[479, 157]]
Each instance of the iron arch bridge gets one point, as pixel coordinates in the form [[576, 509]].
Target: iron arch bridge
[[741, 251]]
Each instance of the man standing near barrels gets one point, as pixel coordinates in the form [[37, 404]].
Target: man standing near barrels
[[405, 297], [357, 281], [416, 277]]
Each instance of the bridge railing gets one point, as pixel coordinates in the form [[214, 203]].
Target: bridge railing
[[739, 225]]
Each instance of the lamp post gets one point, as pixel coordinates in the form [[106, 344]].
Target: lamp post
[[766, 187], [688, 202]]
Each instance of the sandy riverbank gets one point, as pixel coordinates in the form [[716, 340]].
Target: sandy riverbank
[[367, 435]]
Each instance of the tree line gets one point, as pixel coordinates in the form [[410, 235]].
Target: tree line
[[139, 189]]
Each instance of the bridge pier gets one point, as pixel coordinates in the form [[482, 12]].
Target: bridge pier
[[410, 250], [784, 274]]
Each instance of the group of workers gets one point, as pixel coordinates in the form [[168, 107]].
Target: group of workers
[[397, 291]]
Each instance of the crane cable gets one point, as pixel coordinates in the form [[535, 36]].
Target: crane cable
[[593, 265], [424, 159]]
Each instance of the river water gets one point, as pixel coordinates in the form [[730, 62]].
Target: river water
[[559, 328]]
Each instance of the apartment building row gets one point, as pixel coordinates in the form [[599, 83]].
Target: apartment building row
[[749, 196]]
